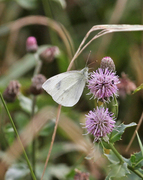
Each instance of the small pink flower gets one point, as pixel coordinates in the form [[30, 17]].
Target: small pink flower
[[103, 84], [99, 123]]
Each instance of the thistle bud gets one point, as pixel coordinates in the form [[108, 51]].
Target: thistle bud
[[31, 44], [49, 54], [107, 62], [11, 91], [36, 87]]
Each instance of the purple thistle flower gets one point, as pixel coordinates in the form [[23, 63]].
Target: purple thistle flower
[[103, 84], [99, 123]]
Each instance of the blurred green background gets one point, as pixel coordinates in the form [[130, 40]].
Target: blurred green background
[[77, 17]]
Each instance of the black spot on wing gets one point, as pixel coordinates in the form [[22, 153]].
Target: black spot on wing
[[58, 85]]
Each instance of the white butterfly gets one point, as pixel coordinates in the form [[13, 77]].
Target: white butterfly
[[66, 88]]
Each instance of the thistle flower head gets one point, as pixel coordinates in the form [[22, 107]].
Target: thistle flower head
[[99, 123], [103, 84]]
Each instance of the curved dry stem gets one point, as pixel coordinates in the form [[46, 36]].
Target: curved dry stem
[[40, 20], [136, 130], [105, 29]]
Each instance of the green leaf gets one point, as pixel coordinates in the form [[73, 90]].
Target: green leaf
[[21, 67], [18, 69], [133, 176], [136, 160], [61, 2], [28, 4], [16, 172], [113, 106], [47, 129], [138, 88], [58, 171], [21, 119], [140, 143], [26, 103], [9, 133], [118, 131], [105, 145], [112, 157], [118, 170]]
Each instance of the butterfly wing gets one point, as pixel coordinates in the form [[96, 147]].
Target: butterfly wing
[[66, 88]]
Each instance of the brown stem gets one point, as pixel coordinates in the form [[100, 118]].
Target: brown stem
[[53, 138]]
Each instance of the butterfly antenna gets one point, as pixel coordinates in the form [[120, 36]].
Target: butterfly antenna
[[88, 57]]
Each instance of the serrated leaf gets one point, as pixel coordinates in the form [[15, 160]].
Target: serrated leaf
[[26, 103], [111, 157], [133, 176], [138, 88], [137, 160], [118, 170], [118, 131]]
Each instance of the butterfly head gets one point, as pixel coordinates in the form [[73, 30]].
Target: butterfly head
[[85, 72]]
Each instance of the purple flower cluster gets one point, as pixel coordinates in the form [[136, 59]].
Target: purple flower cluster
[[103, 84], [99, 122]]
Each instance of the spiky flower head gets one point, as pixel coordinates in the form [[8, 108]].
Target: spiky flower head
[[103, 84], [99, 122], [107, 62]]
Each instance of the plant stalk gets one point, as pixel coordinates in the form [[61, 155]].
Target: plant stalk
[[33, 155], [15, 130], [136, 171], [116, 153]]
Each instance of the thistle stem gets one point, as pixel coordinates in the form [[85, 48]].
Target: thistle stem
[[116, 152], [15, 130], [135, 171], [33, 155]]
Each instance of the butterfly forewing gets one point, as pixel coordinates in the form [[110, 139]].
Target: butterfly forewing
[[66, 88]]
